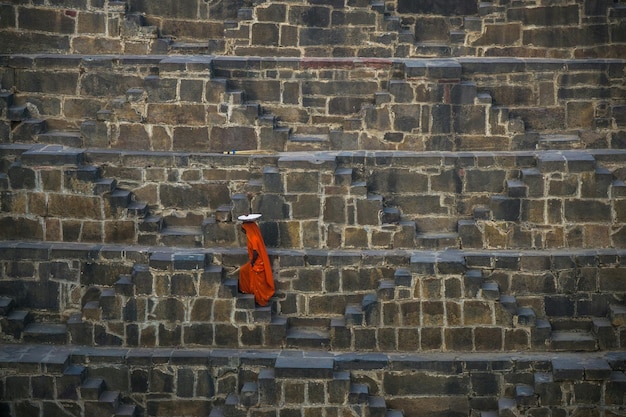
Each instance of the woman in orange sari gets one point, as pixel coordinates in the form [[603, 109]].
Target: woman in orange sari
[[255, 276]]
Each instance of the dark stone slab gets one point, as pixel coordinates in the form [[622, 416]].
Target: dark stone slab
[[53, 155], [299, 366]]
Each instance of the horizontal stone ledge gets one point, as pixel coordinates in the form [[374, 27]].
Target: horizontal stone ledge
[[497, 65], [55, 61], [420, 261], [291, 363], [439, 68], [319, 159]]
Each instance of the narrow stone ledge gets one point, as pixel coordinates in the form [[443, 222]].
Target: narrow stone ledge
[[53, 155], [348, 361]]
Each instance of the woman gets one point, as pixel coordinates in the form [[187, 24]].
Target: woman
[[255, 277]]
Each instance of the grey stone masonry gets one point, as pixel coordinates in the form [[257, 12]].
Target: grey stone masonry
[[220, 382], [453, 301], [378, 200], [221, 103], [341, 28]]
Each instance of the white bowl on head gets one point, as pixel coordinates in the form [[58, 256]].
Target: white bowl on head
[[249, 217]]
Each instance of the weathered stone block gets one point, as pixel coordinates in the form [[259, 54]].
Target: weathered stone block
[[586, 210], [224, 138], [22, 177], [455, 7], [53, 20], [265, 34], [309, 16]]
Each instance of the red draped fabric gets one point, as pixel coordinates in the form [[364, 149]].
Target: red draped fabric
[[255, 276]]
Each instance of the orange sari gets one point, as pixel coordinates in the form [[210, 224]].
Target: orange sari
[[255, 276]]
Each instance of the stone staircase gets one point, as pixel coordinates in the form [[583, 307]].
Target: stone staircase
[[303, 381], [49, 381], [583, 379], [246, 382]]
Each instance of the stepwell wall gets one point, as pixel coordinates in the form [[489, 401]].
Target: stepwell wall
[[215, 104]]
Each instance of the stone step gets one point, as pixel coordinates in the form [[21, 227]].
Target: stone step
[[247, 113], [344, 176], [137, 209], [354, 315], [229, 288], [224, 213], [359, 393], [432, 50], [390, 215], [262, 314], [109, 304], [559, 141], [71, 139], [562, 340], [15, 322], [249, 395], [120, 198], [516, 189], [605, 333], [573, 369], [525, 396], [126, 410], [28, 130], [92, 388], [377, 406], [509, 302], [53, 155], [88, 173], [6, 305], [402, 277], [301, 365], [104, 185], [106, 406], [507, 407], [526, 316], [308, 142], [46, 333], [6, 100], [125, 286], [182, 236], [386, 290], [17, 113], [308, 337], [245, 301], [437, 241], [189, 48], [617, 314], [490, 290], [68, 385], [152, 224], [92, 311]]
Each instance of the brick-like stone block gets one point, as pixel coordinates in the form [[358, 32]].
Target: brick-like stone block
[[586, 211], [224, 138], [265, 34], [455, 7], [53, 20]]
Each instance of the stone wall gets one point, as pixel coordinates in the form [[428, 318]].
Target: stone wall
[[331, 28], [352, 300], [214, 382], [205, 104], [352, 200]]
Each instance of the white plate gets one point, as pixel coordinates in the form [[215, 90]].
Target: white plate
[[249, 217]]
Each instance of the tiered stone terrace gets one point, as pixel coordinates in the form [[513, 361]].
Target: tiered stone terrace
[[443, 195]]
